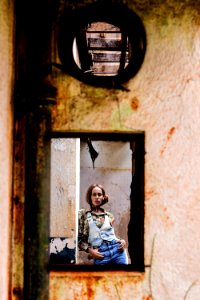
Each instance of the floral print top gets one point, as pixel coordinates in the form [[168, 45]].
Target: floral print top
[[83, 227]]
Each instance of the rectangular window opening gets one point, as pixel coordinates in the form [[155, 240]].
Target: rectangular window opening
[[115, 161]]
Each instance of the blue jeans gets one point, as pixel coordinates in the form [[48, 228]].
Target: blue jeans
[[112, 254]]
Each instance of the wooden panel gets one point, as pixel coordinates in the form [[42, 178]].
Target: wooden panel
[[106, 68], [107, 56], [102, 26], [104, 43], [104, 34]]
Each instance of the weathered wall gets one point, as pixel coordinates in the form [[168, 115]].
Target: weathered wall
[[6, 88], [113, 171], [63, 199], [70, 174], [163, 100], [63, 188]]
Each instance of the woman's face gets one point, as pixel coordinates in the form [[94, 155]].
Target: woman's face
[[96, 197]]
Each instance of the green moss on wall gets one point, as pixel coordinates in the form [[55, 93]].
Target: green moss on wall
[[118, 115]]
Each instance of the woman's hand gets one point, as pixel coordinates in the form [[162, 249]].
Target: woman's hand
[[95, 253], [122, 245]]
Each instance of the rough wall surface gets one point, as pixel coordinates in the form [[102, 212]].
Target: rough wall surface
[[63, 188], [163, 101], [113, 171], [6, 84]]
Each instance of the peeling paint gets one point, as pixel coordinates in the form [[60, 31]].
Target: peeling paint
[[62, 251]]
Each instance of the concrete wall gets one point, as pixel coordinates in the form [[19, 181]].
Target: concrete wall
[[113, 170], [6, 91], [72, 175], [163, 101], [63, 188], [64, 199]]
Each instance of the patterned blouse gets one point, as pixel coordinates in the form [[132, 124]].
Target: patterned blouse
[[83, 227]]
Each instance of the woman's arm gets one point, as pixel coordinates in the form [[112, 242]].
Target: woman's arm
[[83, 231], [122, 242], [95, 253]]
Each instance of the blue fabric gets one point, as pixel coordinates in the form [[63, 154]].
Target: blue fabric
[[112, 254]]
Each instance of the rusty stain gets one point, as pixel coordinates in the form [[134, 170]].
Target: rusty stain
[[148, 297], [87, 285], [171, 131], [134, 103], [169, 135], [149, 193], [166, 218], [90, 290]]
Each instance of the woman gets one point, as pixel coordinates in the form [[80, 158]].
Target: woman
[[96, 232]]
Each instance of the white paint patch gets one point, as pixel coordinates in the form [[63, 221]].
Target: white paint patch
[[58, 244]]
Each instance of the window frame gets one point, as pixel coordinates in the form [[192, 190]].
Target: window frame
[[136, 224], [71, 22]]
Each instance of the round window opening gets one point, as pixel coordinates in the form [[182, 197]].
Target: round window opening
[[101, 45]]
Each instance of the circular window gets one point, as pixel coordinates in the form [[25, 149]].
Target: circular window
[[101, 44]]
